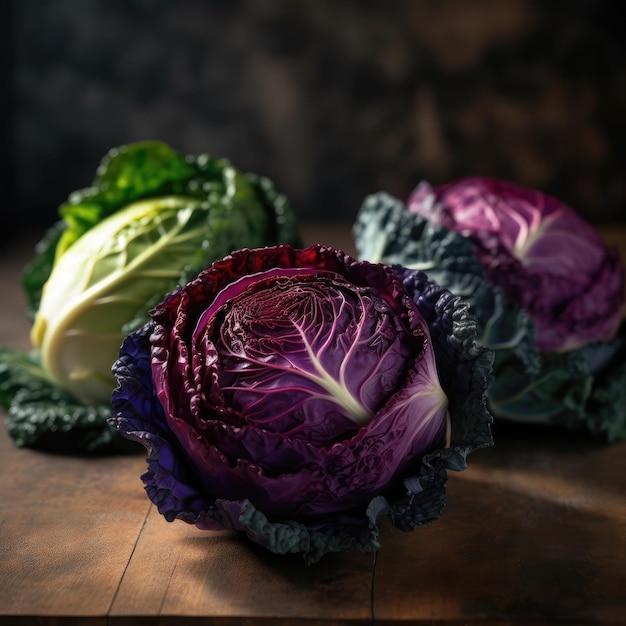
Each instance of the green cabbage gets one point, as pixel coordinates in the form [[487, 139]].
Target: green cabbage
[[151, 220]]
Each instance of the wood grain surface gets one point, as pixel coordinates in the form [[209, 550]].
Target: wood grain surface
[[534, 532]]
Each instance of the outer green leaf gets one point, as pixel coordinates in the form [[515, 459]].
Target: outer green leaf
[[41, 414], [19, 369], [557, 394]]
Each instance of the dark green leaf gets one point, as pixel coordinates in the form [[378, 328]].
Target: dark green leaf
[[40, 414]]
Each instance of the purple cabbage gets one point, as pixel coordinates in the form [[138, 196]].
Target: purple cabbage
[[545, 257], [297, 395]]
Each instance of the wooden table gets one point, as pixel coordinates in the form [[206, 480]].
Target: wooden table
[[534, 532]]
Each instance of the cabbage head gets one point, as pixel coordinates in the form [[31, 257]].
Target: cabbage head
[[151, 220], [547, 293], [297, 395]]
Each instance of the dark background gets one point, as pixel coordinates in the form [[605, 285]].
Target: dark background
[[331, 99]]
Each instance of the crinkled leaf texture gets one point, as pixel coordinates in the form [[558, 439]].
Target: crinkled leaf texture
[[580, 387], [212, 465], [151, 220]]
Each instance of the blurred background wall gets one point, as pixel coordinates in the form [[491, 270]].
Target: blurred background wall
[[333, 99]]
